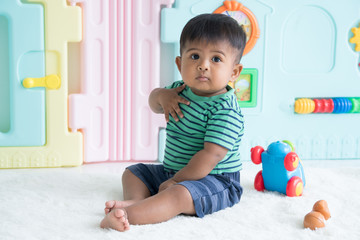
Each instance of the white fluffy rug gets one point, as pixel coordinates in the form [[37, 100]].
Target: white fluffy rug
[[68, 203]]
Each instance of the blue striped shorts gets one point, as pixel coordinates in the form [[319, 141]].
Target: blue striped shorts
[[210, 194]]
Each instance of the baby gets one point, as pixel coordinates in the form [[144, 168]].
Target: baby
[[201, 169]]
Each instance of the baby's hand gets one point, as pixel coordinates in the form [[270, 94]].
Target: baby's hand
[[169, 102]]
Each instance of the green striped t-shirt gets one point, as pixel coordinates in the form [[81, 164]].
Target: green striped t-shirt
[[215, 119]]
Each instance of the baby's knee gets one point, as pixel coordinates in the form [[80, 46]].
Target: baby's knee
[[127, 174], [184, 199], [180, 192]]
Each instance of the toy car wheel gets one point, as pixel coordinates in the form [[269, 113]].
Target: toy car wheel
[[256, 154], [259, 182], [291, 161], [294, 187]]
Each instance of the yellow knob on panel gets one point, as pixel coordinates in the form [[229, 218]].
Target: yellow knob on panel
[[50, 82]]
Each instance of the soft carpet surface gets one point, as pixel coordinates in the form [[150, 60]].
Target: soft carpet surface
[[68, 203]]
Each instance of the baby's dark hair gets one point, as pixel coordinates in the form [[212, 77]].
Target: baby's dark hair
[[213, 28]]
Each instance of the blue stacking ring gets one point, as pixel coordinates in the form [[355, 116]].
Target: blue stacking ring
[[342, 105]]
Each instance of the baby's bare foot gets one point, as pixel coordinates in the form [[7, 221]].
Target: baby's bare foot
[[116, 219], [109, 205]]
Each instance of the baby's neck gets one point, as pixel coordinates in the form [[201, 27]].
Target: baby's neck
[[209, 94]]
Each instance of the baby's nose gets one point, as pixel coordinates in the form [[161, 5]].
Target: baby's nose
[[203, 67]]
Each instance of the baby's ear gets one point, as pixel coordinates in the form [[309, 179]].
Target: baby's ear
[[178, 63], [236, 72]]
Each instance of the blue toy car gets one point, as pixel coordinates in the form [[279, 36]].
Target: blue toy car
[[282, 170]]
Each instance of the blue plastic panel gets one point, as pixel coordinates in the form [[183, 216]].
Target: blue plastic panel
[[22, 111]]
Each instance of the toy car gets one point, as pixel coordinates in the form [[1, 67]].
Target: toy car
[[282, 170]]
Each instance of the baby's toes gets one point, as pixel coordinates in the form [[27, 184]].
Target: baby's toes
[[110, 204], [120, 213], [126, 225]]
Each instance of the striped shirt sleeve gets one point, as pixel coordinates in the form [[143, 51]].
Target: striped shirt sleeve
[[224, 128]]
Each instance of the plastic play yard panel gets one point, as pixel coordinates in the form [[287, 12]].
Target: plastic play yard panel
[[22, 111]]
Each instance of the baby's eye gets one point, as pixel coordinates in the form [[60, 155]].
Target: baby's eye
[[194, 56], [216, 59]]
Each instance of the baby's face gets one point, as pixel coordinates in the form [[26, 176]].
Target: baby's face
[[208, 67]]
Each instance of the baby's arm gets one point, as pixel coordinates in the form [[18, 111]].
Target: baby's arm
[[162, 100], [200, 165]]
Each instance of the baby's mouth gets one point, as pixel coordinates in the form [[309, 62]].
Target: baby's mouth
[[202, 78]]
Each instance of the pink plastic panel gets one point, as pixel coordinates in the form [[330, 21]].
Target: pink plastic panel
[[141, 138], [89, 111], [120, 67]]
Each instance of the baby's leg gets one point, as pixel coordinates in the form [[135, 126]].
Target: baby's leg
[[161, 207], [134, 190]]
